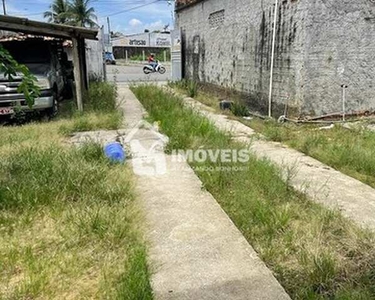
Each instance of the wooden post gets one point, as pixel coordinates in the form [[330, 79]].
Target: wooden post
[[77, 74], [165, 56], [143, 55], [126, 56]]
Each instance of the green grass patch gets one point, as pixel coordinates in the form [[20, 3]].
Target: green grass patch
[[349, 151], [314, 252], [198, 92], [70, 226], [101, 97], [92, 121], [100, 111], [190, 86]]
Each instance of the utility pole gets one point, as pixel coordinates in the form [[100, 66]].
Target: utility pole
[[109, 31], [104, 50], [172, 10], [272, 59], [4, 8]]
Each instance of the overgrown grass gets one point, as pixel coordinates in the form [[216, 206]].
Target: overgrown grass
[[100, 110], [101, 97], [190, 86], [194, 90], [314, 252], [69, 221], [92, 121], [349, 151]]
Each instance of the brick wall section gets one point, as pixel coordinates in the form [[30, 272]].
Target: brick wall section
[[320, 45]]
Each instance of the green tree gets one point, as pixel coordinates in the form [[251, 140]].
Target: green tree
[[58, 13], [11, 68], [81, 14]]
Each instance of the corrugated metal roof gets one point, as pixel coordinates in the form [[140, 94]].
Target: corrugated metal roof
[[45, 29], [10, 36], [6, 36]]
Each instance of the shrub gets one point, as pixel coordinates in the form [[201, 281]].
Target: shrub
[[101, 97], [239, 109], [192, 88]]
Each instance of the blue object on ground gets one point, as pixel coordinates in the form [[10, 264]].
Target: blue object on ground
[[115, 152]]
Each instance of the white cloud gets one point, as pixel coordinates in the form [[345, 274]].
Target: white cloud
[[135, 23], [139, 27], [155, 25]]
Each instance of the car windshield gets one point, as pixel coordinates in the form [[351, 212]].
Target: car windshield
[[29, 52]]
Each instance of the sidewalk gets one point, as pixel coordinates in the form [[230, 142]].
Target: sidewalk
[[196, 252], [320, 182]]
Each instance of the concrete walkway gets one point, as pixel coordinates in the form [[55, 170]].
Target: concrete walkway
[[321, 183], [196, 251]]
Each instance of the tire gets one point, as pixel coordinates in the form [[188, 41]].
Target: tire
[[53, 111], [68, 89], [162, 70], [146, 70]]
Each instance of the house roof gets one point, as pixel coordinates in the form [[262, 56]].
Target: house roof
[[45, 29], [10, 36], [182, 4]]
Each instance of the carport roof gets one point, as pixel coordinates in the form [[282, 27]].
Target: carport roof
[[48, 29]]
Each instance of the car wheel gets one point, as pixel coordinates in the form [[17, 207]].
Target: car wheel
[[53, 111]]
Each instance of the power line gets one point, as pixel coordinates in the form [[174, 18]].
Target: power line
[[96, 2], [133, 8]]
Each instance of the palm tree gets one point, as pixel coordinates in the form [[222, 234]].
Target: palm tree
[[81, 15], [58, 12]]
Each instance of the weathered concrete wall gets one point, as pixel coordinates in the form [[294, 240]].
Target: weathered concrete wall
[[94, 57], [340, 49], [236, 51], [320, 45]]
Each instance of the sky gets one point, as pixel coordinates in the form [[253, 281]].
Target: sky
[[150, 14]]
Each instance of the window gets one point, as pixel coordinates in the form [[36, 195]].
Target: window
[[216, 19]]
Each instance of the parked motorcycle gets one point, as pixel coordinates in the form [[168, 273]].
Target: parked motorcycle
[[159, 68]]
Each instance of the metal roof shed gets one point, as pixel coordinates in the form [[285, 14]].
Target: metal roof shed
[[76, 34]]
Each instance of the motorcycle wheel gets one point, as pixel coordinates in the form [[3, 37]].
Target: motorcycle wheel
[[162, 70], [146, 70]]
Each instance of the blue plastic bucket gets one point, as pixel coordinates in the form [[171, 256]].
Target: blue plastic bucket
[[115, 152]]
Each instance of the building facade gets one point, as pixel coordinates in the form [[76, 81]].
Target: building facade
[[320, 45], [141, 44]]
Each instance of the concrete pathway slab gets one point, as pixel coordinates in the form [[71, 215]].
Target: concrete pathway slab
[[196, 250], [320, 182]]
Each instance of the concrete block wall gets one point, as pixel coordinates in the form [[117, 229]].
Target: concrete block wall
[[320, 45], [339, 49]]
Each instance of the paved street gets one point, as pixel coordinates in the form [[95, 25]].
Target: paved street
[[135, 73]]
